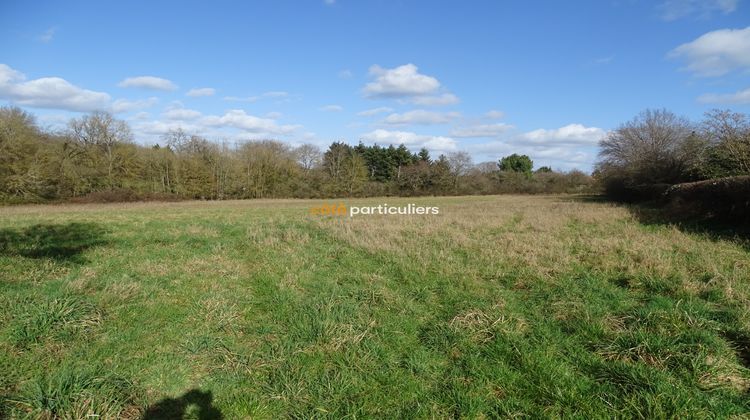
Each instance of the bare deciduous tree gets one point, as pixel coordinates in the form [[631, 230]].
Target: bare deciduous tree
[[649, 148], [730, 133], [176, 139], [460, 163], [101, 131], [309, 156]]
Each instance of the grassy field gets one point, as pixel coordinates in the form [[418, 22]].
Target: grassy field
[[509, 306]]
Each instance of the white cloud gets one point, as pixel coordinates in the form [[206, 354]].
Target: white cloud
[[567, 147], [677, 9], [141, 116], [412, 140], [152, 129], [571, 134], [234, 124], [375, 111], [407, 85], [435, 100], [331, 108], [237, 118], [716, 53], [53, 121], [399, 82], [345, 74], [494, 114], [740, 98], [181, 114], [564, 157], [481, 130], [47, 35], [48, 92], [125, 105], [176, 104], [57, 93], [197, 92], [148, 82], [419, 116], [273, 115]]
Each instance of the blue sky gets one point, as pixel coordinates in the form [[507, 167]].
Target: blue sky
[[545, 78]]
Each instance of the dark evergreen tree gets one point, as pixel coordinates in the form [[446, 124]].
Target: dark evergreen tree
[[516, 163]]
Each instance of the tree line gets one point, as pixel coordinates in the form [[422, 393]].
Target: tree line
[[95, 158], [657, 149]]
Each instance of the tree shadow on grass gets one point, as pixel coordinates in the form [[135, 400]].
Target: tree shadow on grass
[[60, 242], [586, 198], [649, 214], [177, 408], [654, 214]]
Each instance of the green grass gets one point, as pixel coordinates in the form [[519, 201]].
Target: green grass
[[498, 307]]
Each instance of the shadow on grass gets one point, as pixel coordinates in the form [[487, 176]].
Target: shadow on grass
[[653, 214], [650, 214], [587, 198], [63, 243], [177, 408], [741, 344]]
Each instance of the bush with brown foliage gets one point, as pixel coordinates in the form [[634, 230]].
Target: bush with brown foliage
[[722, 199]]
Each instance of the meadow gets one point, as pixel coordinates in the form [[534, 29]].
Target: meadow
[[500, 306]]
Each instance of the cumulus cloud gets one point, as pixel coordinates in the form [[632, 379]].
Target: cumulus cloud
[[571, 134], [716, 53], [198, 92], [567, 147], [57, 93], [234, 124], [481, 130], [375, 111], [412, 140], [148, 82], [48, 92], [239, 119], [677, 9], [153, 129], [53, 121], [181, 114], [405, 84], [141, 116], [125, 105], [402, 81], [739, 98], [331, 108], [558, 157], [419, 116]]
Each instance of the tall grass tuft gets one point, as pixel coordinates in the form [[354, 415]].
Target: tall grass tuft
[[74, 393], [37, 321]]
